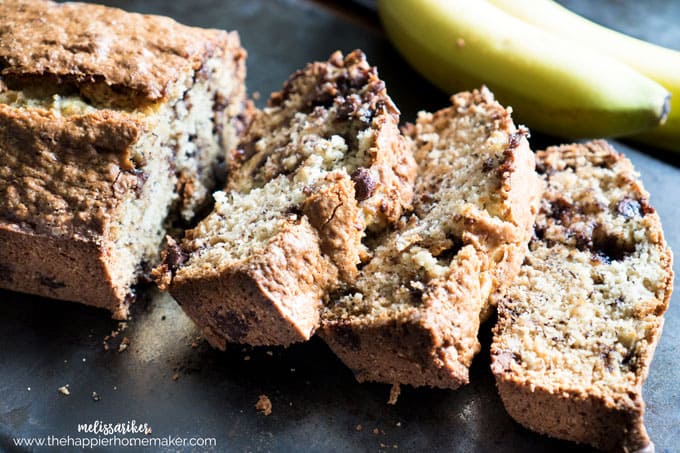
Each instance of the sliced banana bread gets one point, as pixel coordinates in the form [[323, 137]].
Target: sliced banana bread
[[412, 315], [577, 330], [107, 119], [319, 167]]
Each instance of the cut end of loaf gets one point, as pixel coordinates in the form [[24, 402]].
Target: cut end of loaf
[[94, 179]]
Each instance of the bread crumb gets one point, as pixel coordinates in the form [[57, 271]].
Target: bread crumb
[[175, 376], [264, 405], [395, 391], [246, 358], [256, 95], [96, 397], [64, 390], [124, 344], [376, 431], [270, 353], [358, 428]]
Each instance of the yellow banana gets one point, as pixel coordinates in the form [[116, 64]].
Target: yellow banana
[[554, 85], [655, 62]]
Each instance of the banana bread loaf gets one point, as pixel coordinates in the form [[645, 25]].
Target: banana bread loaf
[[577, 330], [412, 315], [322, 165], [108, 121]]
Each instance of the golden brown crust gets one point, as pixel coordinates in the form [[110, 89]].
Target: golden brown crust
[[63, 268], [77, 196], [280, 289], [577, 329], [106, 53], [333, 212], [577, 416]]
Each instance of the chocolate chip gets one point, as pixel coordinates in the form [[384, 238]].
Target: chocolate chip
[[416, 294], [347, 82], [50, 282], [629, 208], [174, 255], [560, 210], [608, 247], [516, 137], [364, 184], [488, 164], [6, 272], [141, 180], [294, 211], [234, 326]]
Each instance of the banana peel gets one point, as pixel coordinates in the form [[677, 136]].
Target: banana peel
[[553, 84], [656, 62]]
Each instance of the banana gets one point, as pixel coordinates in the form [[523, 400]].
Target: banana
[[655, 62], [553, 85]]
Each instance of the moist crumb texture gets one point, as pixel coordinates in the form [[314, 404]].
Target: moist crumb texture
[[413, 314], [318, 169], [577, 329], [105, 143]]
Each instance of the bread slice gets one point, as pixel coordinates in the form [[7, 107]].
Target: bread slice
[[318, 168], [413, 314], [107, 119], [577, 330]]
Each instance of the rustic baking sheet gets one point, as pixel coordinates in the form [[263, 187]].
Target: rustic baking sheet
[[171, 380]]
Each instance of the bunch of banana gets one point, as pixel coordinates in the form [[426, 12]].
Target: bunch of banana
[[655, 62], [554, 84]]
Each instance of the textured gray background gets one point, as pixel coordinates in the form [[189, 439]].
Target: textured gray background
[[316, 402]]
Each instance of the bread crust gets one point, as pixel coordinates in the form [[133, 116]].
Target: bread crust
[[59, 268], [280, 288], [107, 53], [583, 395]]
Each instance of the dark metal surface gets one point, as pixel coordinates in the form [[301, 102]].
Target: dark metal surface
[[317, 405]]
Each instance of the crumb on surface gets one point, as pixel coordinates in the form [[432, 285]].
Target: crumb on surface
[[96, 397], [264, 405], [64, 390], [124, 344], [395, 391], [175, 376], [358, 428]]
